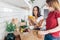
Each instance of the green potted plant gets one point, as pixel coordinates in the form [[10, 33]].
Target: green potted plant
[[10, 27]]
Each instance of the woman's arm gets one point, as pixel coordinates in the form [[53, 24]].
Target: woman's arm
[[30, 23], [35, 23], [40, 23], [55, 29], [51, 30]]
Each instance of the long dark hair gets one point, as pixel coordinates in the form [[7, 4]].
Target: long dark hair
[[38, 11]]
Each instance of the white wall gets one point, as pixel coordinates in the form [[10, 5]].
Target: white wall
[[39, 3], [7, 12]]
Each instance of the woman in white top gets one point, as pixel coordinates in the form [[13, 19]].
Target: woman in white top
[[38, 18]]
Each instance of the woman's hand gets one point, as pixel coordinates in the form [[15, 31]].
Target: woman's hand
[[42, 32]]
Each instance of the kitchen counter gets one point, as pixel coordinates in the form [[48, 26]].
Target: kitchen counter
[[30, 36]]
